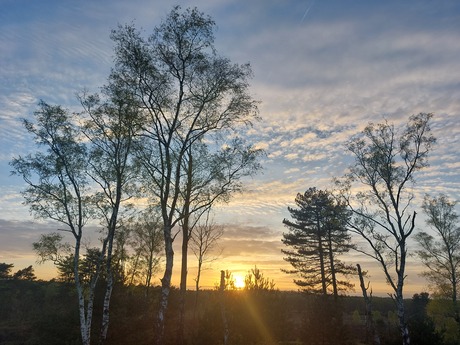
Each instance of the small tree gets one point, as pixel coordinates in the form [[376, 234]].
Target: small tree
[[50, 247], [146, 241], [255, 281], [204, 240], [5, 270], [441, 253], [386, 162], [25, 274]]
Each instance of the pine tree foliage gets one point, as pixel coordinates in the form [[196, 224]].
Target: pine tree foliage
[[317, 236]]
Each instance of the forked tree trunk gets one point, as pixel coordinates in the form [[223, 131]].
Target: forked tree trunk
[[85, 331]]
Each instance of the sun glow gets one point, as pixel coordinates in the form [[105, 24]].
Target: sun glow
[[239, 281]]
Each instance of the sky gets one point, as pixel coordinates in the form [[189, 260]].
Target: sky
[[322, 71]]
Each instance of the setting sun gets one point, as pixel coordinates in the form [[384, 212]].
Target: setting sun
[[239, 281]]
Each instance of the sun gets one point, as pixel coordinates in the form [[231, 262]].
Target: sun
[[239, 281]]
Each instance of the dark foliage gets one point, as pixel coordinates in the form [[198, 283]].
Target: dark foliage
[[38, 312]]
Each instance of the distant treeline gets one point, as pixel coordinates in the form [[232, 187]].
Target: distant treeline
[[46, 312]]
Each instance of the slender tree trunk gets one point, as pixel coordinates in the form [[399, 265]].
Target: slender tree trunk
[[401, 317], [148, 277], [331, 260], [165, 286], [108, 289], [453, 279], [106, 309], [197, 285], [183, 281], [454, 299], [223, 309], [84, 331], [370, 327], [89, 310], [185, 241], [198, 275], [134, 268], [112, 225], [321, 257], [399, 299]]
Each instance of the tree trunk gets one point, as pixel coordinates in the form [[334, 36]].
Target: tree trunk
[[165, 287], [453, 280], [222, 308], [370, 328], [399, 293], [105, 310], [321, 257], [399, 300], [197, 286], [109, 273], [331, 261], [183, 281], [84, 331], [402, 321]]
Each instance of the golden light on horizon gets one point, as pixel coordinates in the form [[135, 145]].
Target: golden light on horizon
[[239, 281]]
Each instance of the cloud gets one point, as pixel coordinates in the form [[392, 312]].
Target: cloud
[[320, 80], [16, 237]]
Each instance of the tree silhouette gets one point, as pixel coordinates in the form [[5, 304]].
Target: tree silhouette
[[317, 235], [385, 163]]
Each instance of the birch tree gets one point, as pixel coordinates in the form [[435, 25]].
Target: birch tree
[[187, 94], [386, 161], [209, 179], [440, 252], [146, 241], [58, 189], [110, 127], [204, 240]]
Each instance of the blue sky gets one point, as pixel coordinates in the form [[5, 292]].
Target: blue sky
[[322, 71]]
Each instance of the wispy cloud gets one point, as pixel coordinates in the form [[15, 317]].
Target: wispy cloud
[[323, 70]]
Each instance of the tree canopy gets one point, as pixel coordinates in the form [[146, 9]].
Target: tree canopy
[[317, 236]]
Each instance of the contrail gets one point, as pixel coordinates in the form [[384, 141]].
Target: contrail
[[306, 12]]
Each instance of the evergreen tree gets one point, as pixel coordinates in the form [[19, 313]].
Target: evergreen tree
[[25, 274], [317, 235], [5, 270]]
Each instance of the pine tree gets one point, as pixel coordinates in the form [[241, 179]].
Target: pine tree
[[317, 235]]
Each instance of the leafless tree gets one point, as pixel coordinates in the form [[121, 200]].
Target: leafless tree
[[204, 240]]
